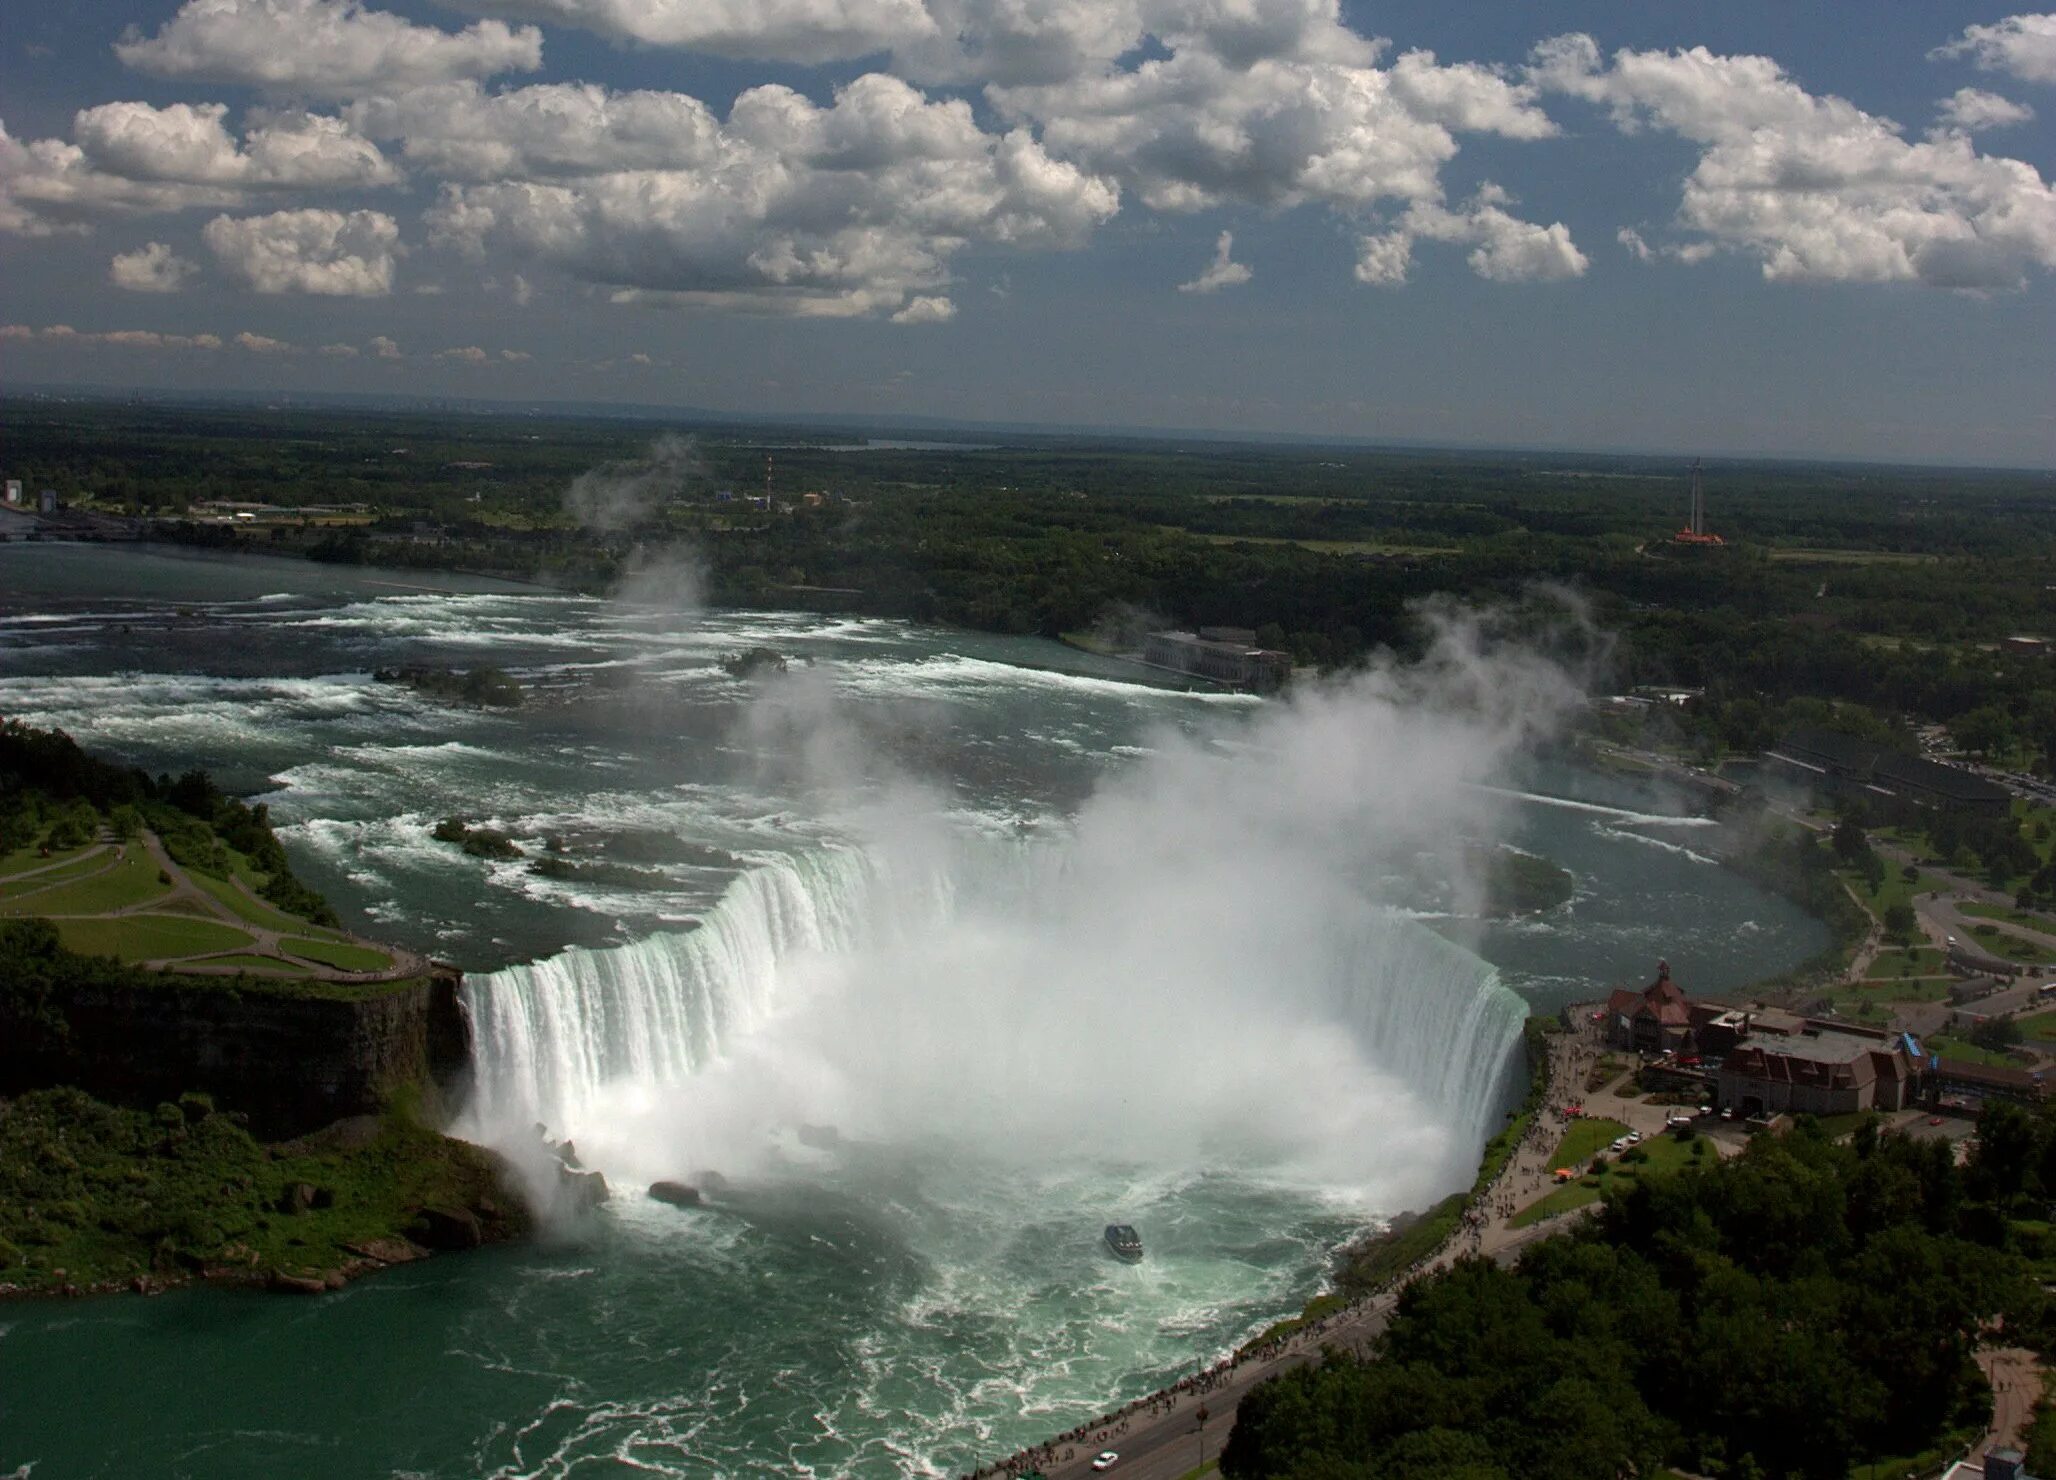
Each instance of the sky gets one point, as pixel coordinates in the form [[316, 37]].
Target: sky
[[1737, 226]]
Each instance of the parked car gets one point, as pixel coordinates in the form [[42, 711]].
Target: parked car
[[1106, 1459]]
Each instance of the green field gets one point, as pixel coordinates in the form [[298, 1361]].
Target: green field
[[1322, 547], [47, 871], [255, 963], [1895, 963], [123, 885], [2041, 1026], [1803, 555], [1584, 1140], [1991, 938], [1665, 1154], [255, 911], [1951, 1047], [2029, 918], [1899, 989], [149, 937], [340, 955]]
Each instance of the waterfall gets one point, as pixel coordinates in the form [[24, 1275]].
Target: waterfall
[[548, 1036], [988, 960]]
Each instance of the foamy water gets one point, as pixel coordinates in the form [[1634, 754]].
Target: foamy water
[[947, 893]]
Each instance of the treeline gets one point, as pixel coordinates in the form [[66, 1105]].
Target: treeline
[[1924, 570], [1793, 1312], [55, 795]]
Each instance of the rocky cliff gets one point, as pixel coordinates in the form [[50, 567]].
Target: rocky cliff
[[290, 1059]]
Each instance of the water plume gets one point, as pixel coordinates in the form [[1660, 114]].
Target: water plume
[[1205, 968], [619, 496]]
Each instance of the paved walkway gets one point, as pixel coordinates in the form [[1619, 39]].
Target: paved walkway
[[185, 900], [2016, 1381]]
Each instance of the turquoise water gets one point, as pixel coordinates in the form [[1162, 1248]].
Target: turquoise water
[[1047, 946]]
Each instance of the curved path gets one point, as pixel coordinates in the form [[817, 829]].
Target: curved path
[[184, 901]]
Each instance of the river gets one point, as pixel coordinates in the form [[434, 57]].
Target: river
[[943, 949]]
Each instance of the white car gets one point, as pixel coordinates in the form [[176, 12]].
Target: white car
[[1105, 1460], [1634, 1138], [1620, 1143]]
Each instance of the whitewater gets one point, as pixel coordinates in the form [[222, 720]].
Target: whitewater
[[939, 956]]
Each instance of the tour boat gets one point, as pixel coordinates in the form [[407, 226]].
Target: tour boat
[[1125, 1242]]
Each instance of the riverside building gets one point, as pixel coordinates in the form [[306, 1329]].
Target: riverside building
[[1227, 655]]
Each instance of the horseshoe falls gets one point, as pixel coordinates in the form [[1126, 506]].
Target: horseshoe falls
[[943, 953]]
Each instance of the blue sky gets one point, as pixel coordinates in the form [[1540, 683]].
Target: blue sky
[[1712, 228]]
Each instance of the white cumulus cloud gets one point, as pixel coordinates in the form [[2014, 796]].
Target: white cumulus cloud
[[804, 31], [785, 207], [1814, 188], [189, 144], [322, 48], [309, 251], [926, 310], [2023, 46], [1972, 110], [154, 268], [1222, 272], [1504, 248]]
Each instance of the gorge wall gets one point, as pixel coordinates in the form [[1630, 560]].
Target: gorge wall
[[290, 1060]]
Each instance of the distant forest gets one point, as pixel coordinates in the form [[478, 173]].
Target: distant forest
[[1862, 596]]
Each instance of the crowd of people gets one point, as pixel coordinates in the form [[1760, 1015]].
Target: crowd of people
[[1572, 1054]]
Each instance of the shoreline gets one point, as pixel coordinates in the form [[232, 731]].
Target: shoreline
[[1179, 1415]]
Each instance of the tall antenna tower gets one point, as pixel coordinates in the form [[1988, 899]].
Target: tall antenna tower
[[1694, 532], [767, 480]]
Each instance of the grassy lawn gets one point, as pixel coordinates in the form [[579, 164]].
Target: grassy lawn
[[256, 912], [1902, 989], [255, 963], [132, 881], [32, 857], [149, 937], [1324, 547], [2041, 1025], [1810, 555], [338, 954], [1584, 1140], [54, 870], [1666, 1154], [1874, 1009], [1964, 1050], [2012, 947], [1893, 889], [1921, 961], [2028, 918]]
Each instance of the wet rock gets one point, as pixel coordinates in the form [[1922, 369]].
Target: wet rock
[[298, 1284], [678, 1194], [446, 1228], [388, 1251], [581, 1190], [298, 1198]]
